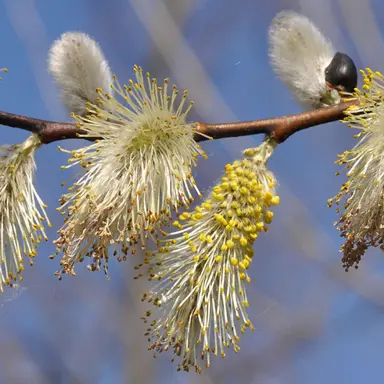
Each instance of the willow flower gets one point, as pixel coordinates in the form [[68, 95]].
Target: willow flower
[[79, 67], [202, 268], [361, 220], [306, 62], [135, 175], [22, 212]]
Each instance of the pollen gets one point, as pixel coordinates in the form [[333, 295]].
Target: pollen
[[22, 212], [213, 311], [134, 178], [360, 199]]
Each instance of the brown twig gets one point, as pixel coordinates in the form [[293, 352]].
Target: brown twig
[[279, 128], [49, 131]]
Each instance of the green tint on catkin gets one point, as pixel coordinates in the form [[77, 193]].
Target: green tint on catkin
[[135, 177]]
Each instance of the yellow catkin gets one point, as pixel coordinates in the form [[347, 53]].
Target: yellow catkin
[[219, 246]]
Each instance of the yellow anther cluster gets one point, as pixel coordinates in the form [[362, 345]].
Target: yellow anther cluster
[[361, 220], [135, 177], [22, 212], [204, 274]]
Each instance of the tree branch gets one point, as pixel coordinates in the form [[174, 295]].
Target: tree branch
[[279, 128], [49, 131]]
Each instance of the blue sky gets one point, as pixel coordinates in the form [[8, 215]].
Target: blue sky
[[314, 323]]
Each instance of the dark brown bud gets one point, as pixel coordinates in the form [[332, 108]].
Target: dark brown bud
[[341, 73]]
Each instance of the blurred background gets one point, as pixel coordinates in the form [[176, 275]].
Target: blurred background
[[314, 322]]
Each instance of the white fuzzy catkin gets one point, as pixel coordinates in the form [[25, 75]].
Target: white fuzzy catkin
[[360, 201], [299, 54], [22, 212], [135, 176], [79, 67]]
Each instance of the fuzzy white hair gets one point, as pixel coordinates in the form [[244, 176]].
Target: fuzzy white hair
[[79, 67], [299, 54]]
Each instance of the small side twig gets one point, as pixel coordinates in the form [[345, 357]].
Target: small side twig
[[279, 128]]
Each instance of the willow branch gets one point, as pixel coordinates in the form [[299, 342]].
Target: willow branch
[[49, 131], [280, 128]]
